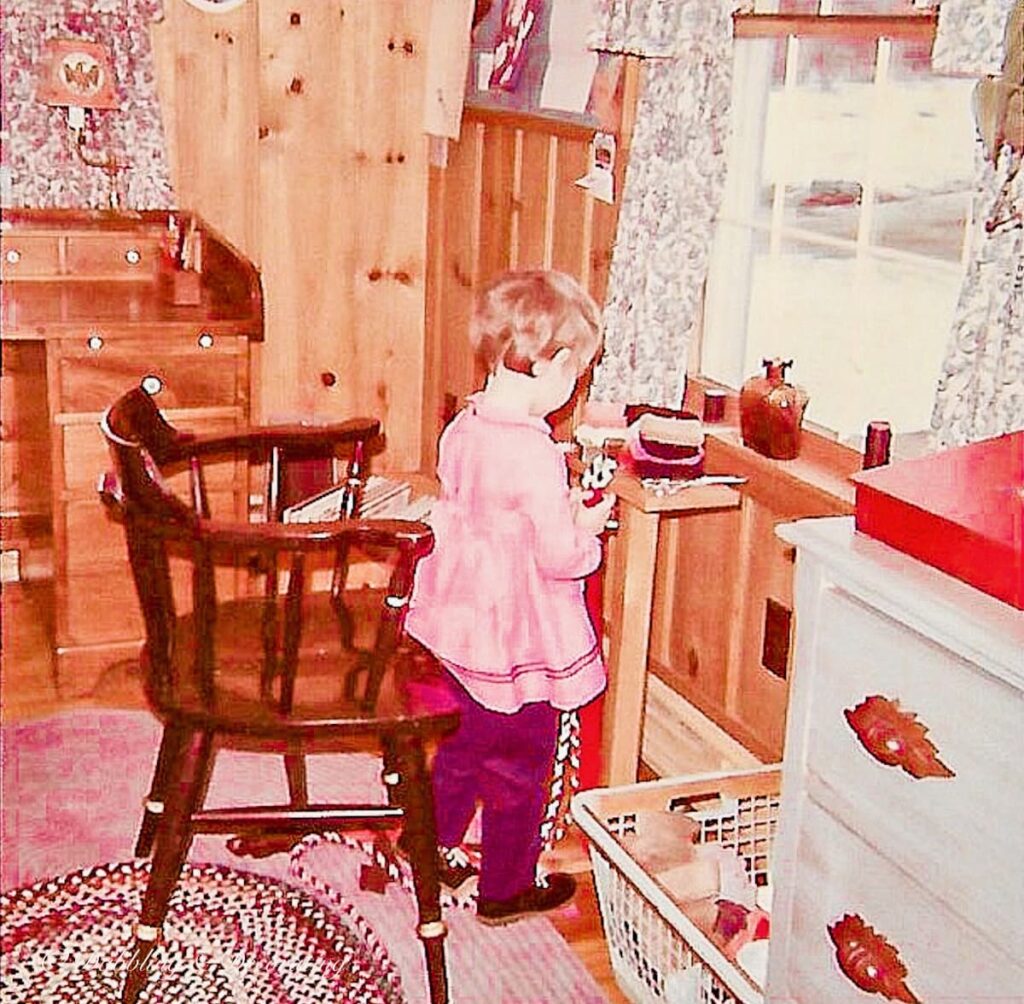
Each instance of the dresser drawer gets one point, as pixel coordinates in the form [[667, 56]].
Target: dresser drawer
[[93, 375], [960, 834], [840, 875]]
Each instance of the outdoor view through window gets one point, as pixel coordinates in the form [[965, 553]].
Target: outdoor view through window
[[842, 235]]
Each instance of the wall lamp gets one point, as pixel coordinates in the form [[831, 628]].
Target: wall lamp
[[79, 75]]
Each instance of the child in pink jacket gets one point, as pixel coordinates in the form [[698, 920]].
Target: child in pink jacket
[[500, 600]]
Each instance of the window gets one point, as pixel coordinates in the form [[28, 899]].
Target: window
[[842, 238]]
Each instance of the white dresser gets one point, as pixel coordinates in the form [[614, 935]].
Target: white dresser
[[907, 863]]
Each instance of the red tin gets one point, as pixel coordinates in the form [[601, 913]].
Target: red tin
[[961, 511]]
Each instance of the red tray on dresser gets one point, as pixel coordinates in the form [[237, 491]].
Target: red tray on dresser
[[961, 511]]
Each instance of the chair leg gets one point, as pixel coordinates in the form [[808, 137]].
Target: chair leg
[[173, 838], [167, 763], [298, 788], [420, 840]]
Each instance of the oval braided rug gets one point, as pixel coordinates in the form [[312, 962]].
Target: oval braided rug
[[230, 938]]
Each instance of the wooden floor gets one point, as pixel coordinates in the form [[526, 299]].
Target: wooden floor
[[28, 690]]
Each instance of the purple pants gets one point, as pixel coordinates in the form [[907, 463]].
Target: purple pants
[[504, 762]]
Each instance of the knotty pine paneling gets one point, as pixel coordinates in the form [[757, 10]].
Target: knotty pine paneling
[[389, 151], [453, 242], [207, 71], [534, 187], [297, 130], [569, 245], [343, 170], [497, 206], [507, 199], [305, 107]]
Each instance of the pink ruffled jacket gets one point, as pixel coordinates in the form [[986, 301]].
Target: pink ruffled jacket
[[500, 598]]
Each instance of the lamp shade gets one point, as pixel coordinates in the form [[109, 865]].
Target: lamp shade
[[76, 73]]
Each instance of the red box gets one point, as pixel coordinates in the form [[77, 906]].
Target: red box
[[961, 511]]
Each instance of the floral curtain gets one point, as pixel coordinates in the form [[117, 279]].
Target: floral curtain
[[969, 36], [671, 194], [981, 389], [40, 167], [980, 392]]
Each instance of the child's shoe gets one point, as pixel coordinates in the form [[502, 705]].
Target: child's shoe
[[547, 893], [454, 867]]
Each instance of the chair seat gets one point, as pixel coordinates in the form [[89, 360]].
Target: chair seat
[[415, 693]]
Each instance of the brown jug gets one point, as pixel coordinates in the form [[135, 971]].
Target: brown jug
[[771, 412]]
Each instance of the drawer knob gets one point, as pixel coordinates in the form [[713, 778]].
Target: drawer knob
[[13, 256], [868, 961], [152, 385], [133, 256], [205, 340], [895, 738], [94, 342]]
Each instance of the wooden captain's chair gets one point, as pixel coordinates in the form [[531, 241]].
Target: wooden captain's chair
[[290, 669]]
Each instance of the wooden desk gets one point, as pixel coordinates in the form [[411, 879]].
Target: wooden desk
[[628, 594], [93, 303]]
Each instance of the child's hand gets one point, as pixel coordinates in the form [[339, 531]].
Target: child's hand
[[593, 517]]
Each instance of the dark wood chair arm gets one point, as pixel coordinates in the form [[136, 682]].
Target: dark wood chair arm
[[263, 439], [407, 535]]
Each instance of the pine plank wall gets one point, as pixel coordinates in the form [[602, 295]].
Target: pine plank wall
[[295, 127]]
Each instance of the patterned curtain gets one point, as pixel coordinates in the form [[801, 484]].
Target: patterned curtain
[[969, 37], [43, 169], [671, 194], [980, 392]]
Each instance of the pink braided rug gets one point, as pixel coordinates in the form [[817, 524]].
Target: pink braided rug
[[72, 790]]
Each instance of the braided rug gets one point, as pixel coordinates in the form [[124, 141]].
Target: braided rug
[[230, 938]]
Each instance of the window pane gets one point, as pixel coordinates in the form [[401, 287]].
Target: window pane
[[922, 161], [853, 327], [843, 226]]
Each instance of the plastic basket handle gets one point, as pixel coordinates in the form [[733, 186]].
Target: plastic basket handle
[[694, 803]]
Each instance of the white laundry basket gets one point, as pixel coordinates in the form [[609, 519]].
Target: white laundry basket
[[657, 954]]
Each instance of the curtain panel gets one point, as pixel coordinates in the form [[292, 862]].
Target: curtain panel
[[981, 389], [980, 392], [969, 37], [671, 194]]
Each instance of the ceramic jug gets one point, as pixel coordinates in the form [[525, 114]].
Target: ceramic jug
[[772, 411]]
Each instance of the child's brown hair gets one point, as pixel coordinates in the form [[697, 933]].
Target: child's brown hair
[[521, 317]]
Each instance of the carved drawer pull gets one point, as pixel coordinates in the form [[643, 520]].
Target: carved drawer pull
[[895, 738], [868, 961]]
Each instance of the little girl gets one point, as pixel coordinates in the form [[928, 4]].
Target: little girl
[[500, 600]]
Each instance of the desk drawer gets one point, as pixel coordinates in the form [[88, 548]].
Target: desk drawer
[[127, 256], [29, 256], [975, 817], [86, 457], [841, 876], [101, 607], [96, 540], [189, 374]]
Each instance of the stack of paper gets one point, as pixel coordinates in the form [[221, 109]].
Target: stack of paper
[[382, 498]]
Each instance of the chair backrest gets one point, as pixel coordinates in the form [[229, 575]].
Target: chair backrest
[[185, 563]]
